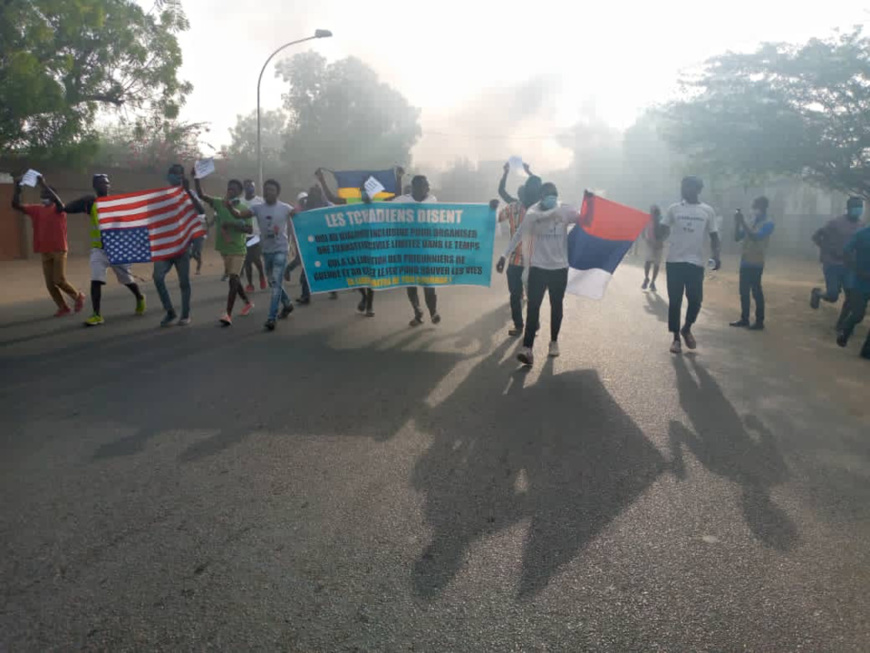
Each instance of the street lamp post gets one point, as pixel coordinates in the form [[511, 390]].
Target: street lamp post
[[318, 34]]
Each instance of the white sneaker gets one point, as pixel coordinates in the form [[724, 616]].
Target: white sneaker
[[676, 347], [554, 349], [526, 357]]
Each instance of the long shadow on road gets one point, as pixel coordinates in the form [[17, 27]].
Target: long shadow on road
[[722, 443], [560, 453]]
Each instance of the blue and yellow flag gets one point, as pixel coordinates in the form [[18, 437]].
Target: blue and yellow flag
[[350, 181]]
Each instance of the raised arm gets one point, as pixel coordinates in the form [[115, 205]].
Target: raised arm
[[193, 198], [502, 190], [16, 195], [211, 201], [328, 193]]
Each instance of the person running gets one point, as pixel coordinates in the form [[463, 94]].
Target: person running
[[686, 225], [857, 252], [49, 241], [755, 237], [420, 194], [653, 236], [254, 253], [274, 219], [230, 233], [831, 241], [99, 261], [546, 224], [175, 177], [529, 195]]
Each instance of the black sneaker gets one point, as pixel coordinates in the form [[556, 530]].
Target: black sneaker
[[370, 313], [842, 339], [514, 333], [815, 298], [285, 311], [417, 321], [270, 325], [303, 301], [645, 284], [361, 307], [758, 326], [739, 323], [436, 319]]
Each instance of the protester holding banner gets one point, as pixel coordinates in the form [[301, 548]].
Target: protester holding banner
[[273, 218], [230, 237], [99, 261], [546, 224], [313, 200], [254, 254], [49, 241], [513, 214], [175, 177], [686, 226], [420, 193]]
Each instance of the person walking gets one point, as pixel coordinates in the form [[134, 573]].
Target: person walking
[[181, 263], [755, 236], [254, 252], [546, 225], [513, 213], [99, 260], [654, 240], [230, 233], [686, 226], [274, 221], [50, 242]]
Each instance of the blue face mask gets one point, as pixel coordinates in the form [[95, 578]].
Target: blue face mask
[[549, 202], [855, 212]]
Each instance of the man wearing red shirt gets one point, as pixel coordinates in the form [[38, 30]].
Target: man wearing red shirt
[[49, 240]]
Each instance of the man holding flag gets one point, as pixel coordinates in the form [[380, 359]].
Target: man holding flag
[[99, 260], [181, 262]]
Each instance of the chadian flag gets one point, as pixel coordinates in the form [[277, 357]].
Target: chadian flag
[[349, 182], [151, 225], [604, 233]]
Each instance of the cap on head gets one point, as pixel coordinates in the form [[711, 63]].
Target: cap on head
[[302, 196]]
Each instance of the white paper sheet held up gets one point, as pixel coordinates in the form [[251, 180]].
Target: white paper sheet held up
[[516, 163], [29, 178], [203, 168], [373, 187]]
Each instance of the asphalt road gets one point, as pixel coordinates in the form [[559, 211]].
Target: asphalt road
[[350, 484]]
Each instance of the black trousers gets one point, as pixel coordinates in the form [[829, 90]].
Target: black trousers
[[431, 300], [688, 279], [541, 281], [750, 283], [368, 298], [254, 256], [515, 287]]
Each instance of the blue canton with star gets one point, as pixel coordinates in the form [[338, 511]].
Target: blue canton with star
[[127, 245]]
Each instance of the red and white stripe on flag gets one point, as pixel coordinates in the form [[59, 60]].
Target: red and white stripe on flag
[[167, 213]]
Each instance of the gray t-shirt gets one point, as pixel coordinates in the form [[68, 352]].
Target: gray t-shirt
[[274, 221]]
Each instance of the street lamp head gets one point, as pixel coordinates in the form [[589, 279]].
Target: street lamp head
[[322, 33]]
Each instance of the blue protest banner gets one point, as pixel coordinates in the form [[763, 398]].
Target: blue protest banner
[[386, 245]]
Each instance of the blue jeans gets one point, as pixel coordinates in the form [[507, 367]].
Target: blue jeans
[[835, 280], [275, 264], [182, 268]]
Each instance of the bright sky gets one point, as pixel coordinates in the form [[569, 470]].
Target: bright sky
[[462, 62]]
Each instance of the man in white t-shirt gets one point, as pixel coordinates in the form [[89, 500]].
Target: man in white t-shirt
[[687, 225], [254, 256], [420, 193]]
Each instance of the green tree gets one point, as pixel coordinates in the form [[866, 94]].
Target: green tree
[[341, 115], [782, 110], [63, 61], [242, 152], [150, 145]]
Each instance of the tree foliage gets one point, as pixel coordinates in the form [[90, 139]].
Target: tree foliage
[[783, 109], [150, 145], [63, 61], [336, 115]]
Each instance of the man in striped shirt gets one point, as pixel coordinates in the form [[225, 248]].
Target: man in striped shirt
[[513, 213]]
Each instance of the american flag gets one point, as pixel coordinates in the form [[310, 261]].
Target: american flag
[[150, 225]]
